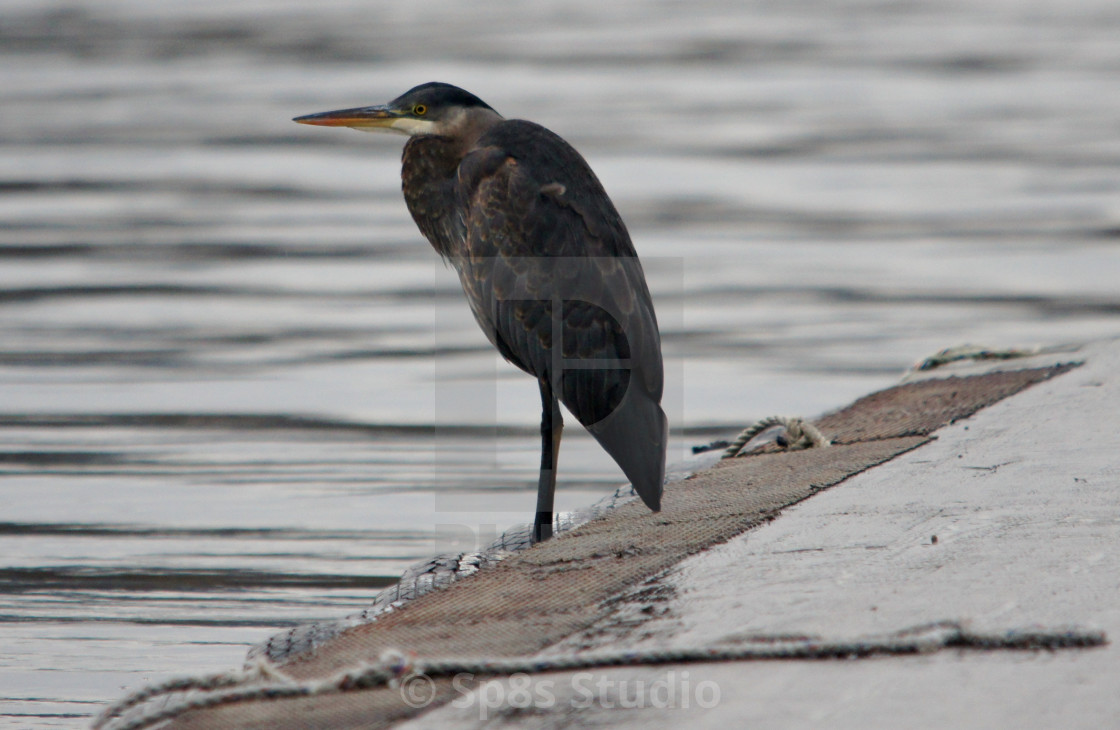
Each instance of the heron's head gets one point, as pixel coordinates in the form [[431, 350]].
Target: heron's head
[[432, 108]]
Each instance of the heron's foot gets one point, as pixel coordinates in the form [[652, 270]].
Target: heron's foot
[[542, 527]]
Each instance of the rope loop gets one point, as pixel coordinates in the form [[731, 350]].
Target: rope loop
[[799, 434]]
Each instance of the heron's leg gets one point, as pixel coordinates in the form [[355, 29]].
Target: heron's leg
[[552, 424]]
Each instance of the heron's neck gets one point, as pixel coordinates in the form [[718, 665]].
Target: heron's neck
[[469, 126], [428, 168]]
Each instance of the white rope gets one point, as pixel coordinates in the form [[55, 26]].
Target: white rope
[[800, 434], [395, 665]]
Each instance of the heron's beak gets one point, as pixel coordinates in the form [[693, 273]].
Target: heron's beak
[[366, 119], [366, 116]]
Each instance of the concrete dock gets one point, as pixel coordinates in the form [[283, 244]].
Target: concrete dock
[[952, 560]]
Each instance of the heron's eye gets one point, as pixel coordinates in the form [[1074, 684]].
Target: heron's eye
[[419, 110]]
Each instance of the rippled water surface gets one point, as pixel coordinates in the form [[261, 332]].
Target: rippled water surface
[[238, 391]]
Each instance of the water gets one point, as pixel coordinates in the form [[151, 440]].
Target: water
[[238, 392]]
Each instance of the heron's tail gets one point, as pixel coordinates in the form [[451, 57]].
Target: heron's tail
[[636, 436]]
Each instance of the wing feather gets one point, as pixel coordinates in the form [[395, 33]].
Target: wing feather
[[546, 260]]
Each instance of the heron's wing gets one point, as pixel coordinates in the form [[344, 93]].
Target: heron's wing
[[540, 228], [549, 260]]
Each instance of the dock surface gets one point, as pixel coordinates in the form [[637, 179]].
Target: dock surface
[[975, 505]]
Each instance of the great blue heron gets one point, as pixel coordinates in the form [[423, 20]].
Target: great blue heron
[[543, 257]]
